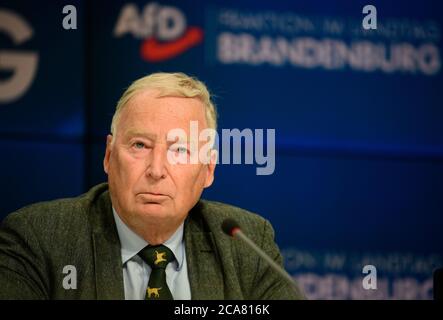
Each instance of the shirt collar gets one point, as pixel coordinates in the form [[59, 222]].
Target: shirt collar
[[131, 243]]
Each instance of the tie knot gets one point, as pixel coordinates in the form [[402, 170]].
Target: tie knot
[[157, 257]]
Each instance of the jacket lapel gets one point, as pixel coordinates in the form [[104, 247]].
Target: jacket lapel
[[204, 272], [107, 254]]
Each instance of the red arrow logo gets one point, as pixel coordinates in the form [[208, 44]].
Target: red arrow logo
[[154, 51]]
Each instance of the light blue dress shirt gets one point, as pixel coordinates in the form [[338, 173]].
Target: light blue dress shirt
[[136, 272]]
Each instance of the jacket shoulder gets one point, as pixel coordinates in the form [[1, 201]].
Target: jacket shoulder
[[252, 224], [220, 211], [39, 240], [54, 213]]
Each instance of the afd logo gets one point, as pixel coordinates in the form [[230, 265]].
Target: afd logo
[[23, 64], [163, 29]]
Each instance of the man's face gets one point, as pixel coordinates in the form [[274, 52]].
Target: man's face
[[145, 187]]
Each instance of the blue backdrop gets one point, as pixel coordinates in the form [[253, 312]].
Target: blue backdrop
[[357, 114]]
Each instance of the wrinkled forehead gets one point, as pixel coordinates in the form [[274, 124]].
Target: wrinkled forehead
[[156, 116]]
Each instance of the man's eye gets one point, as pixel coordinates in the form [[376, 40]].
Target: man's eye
[[181, 150], [139, 145]]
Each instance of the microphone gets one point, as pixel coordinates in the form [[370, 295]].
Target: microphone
[[232, 228]]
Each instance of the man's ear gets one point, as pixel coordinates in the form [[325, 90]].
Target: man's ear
[[211, 168], [107, 153]]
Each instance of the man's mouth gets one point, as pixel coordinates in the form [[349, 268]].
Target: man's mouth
[[152, 197], [153, 193]]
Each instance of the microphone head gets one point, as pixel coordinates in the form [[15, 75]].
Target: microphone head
[[229, 226]]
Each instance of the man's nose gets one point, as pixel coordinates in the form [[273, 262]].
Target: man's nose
[[157, 164]]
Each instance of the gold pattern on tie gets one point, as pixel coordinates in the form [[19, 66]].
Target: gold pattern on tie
[[153, 292], [157, 257]]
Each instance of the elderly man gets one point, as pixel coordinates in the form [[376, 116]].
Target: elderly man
[[145, 234]]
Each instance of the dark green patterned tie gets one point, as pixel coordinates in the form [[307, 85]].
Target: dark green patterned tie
[[157, 257]]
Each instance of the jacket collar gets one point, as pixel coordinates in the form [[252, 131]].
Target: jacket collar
[[204, 267], [107, 254]]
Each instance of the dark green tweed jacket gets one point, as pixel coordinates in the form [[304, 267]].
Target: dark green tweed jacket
[[37, 241]]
